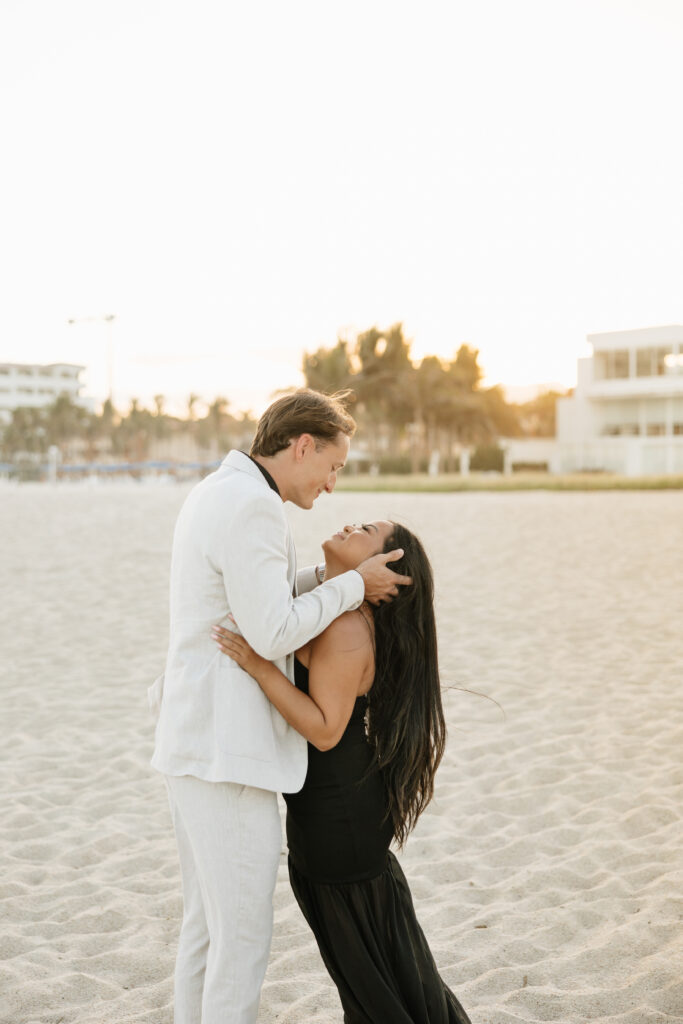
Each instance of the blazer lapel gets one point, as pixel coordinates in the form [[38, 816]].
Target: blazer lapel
[[291, 554], [238, 460]]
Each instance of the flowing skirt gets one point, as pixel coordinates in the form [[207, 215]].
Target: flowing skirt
[[375, 950]]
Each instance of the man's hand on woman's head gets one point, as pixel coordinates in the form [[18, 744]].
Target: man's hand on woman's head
[[381, 583]]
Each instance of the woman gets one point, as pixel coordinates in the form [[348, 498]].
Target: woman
[[368, 700]]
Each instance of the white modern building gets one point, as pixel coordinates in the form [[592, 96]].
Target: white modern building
[[626, 414], [33, 386]]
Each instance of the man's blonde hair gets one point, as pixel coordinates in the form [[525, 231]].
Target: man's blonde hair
[[303, 412]]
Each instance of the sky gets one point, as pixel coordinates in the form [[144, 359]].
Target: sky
[[240, 182]]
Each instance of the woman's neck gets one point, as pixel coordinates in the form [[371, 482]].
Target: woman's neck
[[333, 569]]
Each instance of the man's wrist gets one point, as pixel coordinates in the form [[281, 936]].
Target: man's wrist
[[320, 573]]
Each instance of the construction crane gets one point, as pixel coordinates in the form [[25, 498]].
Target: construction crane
[[108, 320]]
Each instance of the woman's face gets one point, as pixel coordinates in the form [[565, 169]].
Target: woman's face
[[353, 544]]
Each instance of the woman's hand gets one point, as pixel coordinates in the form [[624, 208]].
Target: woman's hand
[[237, 648]]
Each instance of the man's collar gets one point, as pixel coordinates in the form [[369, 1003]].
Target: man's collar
[[245, 464], [269, 480]]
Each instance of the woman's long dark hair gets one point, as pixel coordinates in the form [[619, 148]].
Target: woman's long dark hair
[[405, 721]]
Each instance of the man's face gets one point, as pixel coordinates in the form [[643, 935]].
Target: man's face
[[316, 469]]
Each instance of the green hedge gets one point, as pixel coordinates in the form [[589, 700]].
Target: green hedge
[[487, 458]]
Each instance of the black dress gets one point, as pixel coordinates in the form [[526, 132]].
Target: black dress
[[353, 893]]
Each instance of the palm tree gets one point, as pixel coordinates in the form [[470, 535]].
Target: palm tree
[[64, 420], [25, 433], [385, 382], [466, 416], [329, 369], [132, 433], [538, 415], [192, 400], [160, 420], [212, 430], [432, 398]]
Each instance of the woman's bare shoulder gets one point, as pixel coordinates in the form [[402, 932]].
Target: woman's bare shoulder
[[349, 632]]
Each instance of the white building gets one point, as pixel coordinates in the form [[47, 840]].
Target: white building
[[626, 415], [32, 386]]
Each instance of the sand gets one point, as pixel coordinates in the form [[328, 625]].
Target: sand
[[547, 871]]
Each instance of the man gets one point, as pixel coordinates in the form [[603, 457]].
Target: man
[[223, 748]]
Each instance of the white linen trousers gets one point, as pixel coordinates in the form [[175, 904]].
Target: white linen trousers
[[229, 842]]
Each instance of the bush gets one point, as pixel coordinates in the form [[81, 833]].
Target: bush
[[398, 464], [449, 464], [530, 467], [487, 458]]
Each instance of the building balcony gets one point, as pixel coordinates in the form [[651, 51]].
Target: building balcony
[[668, 385]]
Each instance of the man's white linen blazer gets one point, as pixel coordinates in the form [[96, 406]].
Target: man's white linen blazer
[[233, 554]]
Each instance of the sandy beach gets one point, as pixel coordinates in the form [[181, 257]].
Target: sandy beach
[[546, 873]]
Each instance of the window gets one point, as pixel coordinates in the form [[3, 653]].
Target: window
[[644, 362], [619, 363], [655, 362], [621, 430], [611, 364], [678, 428], [656, 429], [661, 355]]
